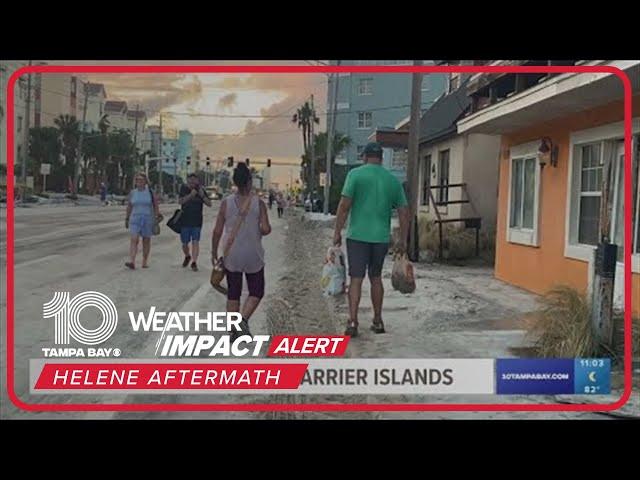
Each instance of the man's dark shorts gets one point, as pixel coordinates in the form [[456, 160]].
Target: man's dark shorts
[[365, 256]]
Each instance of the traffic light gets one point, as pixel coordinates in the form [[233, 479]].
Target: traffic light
[[268, 162], [246, 160], [230, 162]]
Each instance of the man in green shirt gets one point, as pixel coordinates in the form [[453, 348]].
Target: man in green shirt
[[370, 194]]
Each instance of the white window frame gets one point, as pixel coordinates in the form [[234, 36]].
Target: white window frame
[[364, 123], [611, 131], [525, 236], [367, 91]]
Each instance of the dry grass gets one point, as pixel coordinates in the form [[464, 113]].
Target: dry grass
[[563, 327], [619, 335], [458, 242]]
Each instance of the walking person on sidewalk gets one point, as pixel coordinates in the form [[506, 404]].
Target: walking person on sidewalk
[[103, 193], [370, 193], [192, 197], [142, 211], [280, 202], [242, 222], [271, 199]]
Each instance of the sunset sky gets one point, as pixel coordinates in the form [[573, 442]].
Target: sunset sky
[[225, 94]]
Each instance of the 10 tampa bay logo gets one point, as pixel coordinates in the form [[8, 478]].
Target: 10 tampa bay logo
[[66, 314]]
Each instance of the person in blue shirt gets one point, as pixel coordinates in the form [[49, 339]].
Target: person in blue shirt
[[142, 212]]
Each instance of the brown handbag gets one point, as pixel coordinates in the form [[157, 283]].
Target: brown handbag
[[218, 272]]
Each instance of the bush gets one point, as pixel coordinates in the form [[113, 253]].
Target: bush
[[563, 325]]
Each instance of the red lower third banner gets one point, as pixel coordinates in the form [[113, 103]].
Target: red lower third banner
[[149, 376]]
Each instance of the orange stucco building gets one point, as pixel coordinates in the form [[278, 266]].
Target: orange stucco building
[[548, 212]]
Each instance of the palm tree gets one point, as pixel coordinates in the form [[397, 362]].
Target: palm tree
[[340, 142], [44, 147], [69, 131], [305, 117]]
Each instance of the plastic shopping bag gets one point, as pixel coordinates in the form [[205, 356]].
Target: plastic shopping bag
[[334, 274], [402, 277]]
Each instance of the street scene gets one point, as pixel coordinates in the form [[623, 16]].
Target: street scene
[[491, 223]]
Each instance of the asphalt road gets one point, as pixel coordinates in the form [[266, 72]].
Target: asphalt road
[[75, 249]]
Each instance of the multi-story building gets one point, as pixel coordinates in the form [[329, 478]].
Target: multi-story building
[[116, 112], [55, 95], [369, 101], [52, 95], [169, 150], [184, 149], [97, 97], [152, 140], [6, 69]]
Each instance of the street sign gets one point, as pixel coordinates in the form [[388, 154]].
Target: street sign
[[30, 182], [323, 179], [45, 169]]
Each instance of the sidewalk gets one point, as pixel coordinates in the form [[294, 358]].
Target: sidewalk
[[455, 312]]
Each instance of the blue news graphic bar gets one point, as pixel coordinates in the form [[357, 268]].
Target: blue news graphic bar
[[534, 376], [553, 376], [592, 376]]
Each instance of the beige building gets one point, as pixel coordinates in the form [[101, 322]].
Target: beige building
[[6, 70], [55, 95], [458, 173], [97, 97], [116, 112]]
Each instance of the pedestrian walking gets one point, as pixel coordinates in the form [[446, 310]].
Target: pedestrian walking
[[271, 199], [103, 193], [281, 203], [192, 197], [369, 195], [242, 222], [142, 213]]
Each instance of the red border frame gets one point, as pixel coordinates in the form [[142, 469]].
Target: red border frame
[[554, 407]]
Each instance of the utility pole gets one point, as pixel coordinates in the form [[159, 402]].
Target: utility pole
[[313, 152], [330, 135], [79, 155], [175, 175], [605, 265], [27, 124], [135, 138], [160, 189], [412, 161]]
